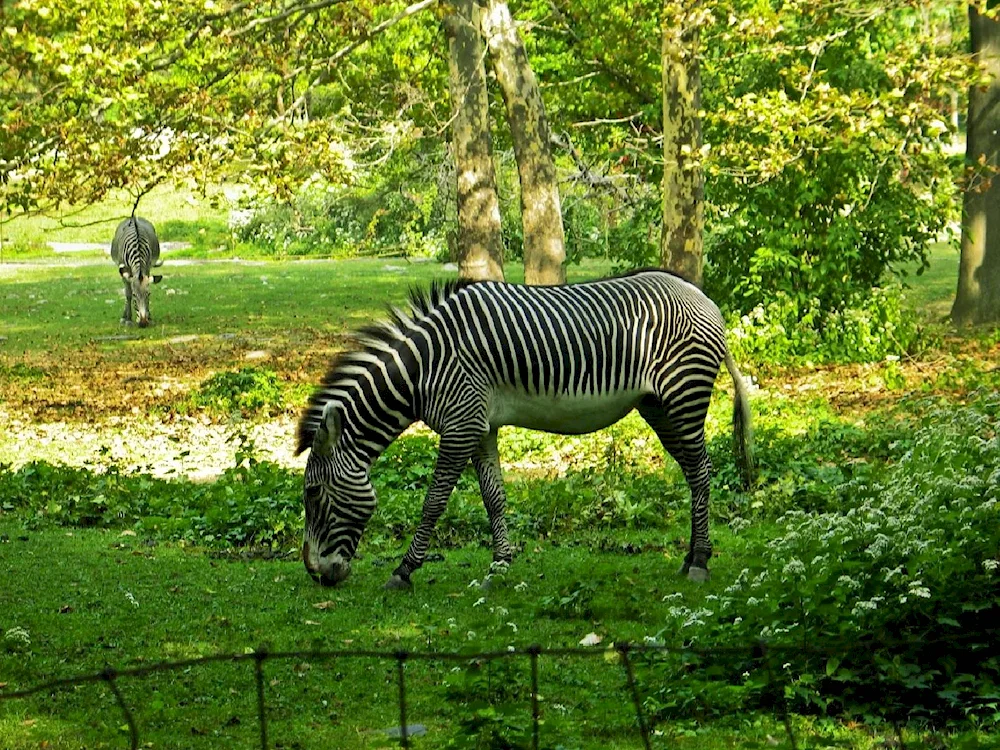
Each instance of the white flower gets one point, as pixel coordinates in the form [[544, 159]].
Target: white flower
[[481, 600], [991, 565], [919, 590], [794, 567], [522, 586], [17, 637], [867, 606]]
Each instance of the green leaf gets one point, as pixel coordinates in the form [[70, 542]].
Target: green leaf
[[831, 665]]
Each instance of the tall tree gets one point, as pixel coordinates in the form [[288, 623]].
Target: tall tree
[[978, 298], [683, 178], [480, 248], [544, 242]]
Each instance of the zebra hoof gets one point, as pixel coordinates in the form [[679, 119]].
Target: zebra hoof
[[698, 575], [398, 583]]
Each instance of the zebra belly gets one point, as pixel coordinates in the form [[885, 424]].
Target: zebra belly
[[563, 414]]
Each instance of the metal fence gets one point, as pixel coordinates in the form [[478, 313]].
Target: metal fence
[[761, 652]]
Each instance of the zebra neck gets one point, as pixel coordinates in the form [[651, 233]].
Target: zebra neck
[[376, 398]]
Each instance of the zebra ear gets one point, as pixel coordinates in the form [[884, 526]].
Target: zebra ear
[[328, 432], [157, 279], [126, 274]]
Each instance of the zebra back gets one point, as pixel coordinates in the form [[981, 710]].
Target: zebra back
[[136, 246]]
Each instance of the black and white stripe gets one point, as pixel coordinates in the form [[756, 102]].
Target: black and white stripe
[[136, 250], [469, 358]]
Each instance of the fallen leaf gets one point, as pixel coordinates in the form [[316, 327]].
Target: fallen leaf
[[324, 605], [65, 609], [591, 639], [312, 622], [127, 532]]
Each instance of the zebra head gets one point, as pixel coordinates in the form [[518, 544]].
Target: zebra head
[[139, 283], [339, 501]]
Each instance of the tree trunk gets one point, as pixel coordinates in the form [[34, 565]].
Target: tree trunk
[[544, 243], [683, 179], [479, 244], [978, 298]]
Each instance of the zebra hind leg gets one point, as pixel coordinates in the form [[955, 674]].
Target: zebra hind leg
[[453, 456], [487, 464], [684, 439]]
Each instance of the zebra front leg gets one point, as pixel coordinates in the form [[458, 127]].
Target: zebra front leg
[[127, 312], [487, 464], [454, 455]]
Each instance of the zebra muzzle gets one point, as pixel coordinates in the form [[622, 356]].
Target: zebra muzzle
[[336, 573], [326, 572]]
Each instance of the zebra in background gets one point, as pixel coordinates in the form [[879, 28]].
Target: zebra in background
[[136, 250], [469, 358]]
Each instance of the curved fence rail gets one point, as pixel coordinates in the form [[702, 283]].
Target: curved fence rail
[[761, 651]]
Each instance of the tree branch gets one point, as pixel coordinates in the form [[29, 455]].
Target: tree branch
[[291, 10], [326, 74]]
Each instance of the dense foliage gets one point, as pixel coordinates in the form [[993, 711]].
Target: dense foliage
[[885, 593]]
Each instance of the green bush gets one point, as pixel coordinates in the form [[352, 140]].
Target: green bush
[[384, 218], [255, 503], [249, 391], [885, 605], [786, 330]]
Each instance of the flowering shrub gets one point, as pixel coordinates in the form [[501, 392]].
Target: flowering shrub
[[889, 604], [784, 329]]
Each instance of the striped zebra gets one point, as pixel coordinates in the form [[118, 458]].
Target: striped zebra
[[136, 250], [469, 358]]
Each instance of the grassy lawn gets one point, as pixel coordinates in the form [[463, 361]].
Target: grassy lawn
[[112, 600], [931, 293], [127, 602], [181, 216]]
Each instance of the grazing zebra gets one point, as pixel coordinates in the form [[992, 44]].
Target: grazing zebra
[[469, 358], [136, 250]]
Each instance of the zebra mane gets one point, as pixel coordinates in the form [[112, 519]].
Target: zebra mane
[[367, 344], [423, 302]]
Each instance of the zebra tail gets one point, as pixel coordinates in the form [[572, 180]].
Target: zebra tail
[[742, 427]]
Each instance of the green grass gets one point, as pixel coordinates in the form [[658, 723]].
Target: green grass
[[932, 292], [52, 309], [178, 215], [118, 601], [114, 600]]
